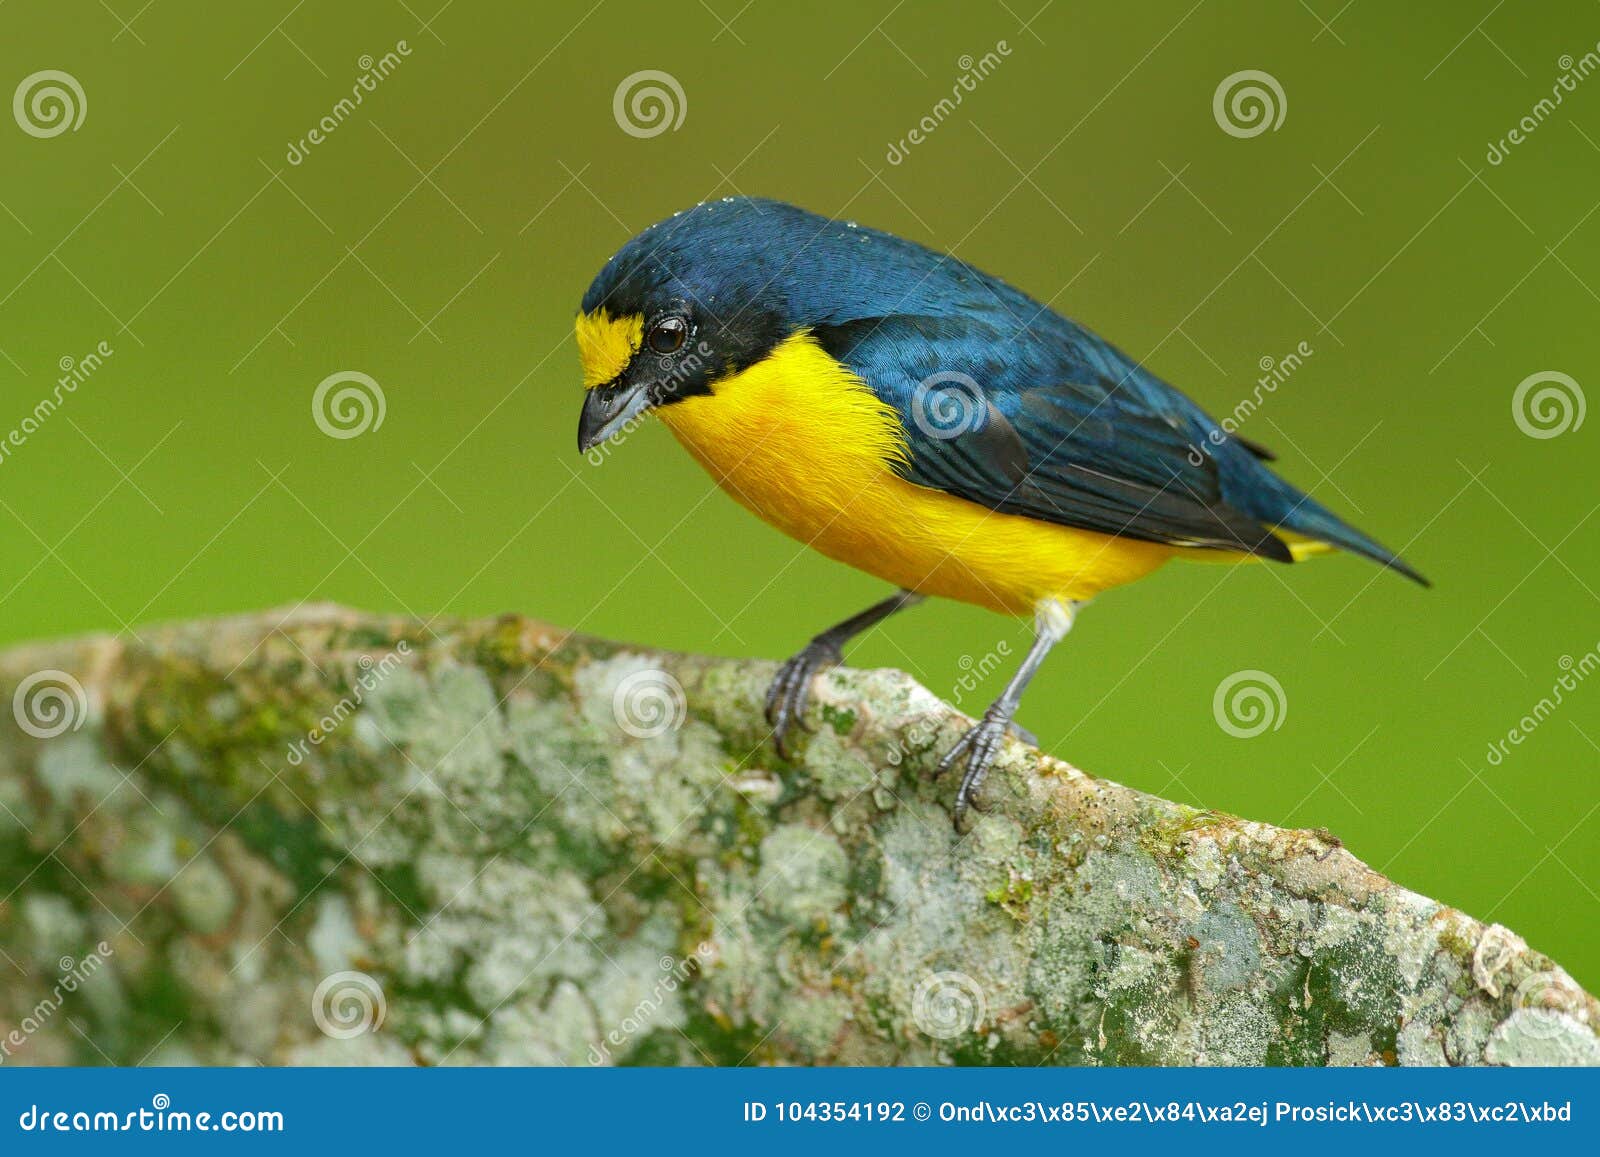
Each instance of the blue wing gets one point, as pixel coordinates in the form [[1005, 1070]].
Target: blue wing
[[1069, 432]]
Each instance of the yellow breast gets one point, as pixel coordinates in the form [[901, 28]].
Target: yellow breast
[[805, 445]]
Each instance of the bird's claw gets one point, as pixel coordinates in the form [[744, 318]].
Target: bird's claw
[[979, 745], [791, 688]]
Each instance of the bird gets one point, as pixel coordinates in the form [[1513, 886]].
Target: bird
[[905, 413]]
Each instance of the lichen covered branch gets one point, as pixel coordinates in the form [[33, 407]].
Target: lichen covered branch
[[327, 837]]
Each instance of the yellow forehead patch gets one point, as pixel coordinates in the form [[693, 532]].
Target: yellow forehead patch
[[606, 344]]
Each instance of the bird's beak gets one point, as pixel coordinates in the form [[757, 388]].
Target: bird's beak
[[607, 409]]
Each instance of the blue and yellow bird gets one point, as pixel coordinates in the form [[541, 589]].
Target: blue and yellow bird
[[912, 416]]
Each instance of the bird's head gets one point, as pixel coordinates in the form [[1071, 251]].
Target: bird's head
[[711, 291], [688, 302]]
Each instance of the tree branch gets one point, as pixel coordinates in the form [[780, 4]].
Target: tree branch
[[328, 837]]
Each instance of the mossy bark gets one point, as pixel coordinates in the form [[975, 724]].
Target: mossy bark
[[328, 837]]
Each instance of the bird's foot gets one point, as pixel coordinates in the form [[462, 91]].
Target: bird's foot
[[979, 746], [791, 688]]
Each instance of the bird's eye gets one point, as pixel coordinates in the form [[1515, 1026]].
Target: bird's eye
[[667, 335]]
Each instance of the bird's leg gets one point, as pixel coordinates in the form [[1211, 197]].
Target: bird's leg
[[791, 688], [980, 744]]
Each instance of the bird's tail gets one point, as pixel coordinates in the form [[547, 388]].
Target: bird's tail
[[1311, 528]]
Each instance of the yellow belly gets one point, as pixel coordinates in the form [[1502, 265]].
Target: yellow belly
[[803, 444]]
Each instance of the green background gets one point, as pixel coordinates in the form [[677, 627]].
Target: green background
[[440, 238]]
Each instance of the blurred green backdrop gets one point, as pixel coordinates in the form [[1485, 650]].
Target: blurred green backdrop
[[439, 237]]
